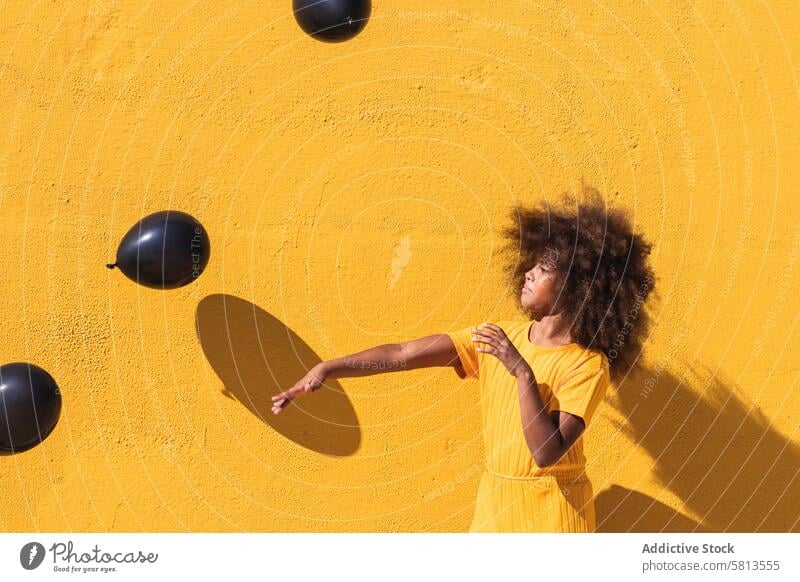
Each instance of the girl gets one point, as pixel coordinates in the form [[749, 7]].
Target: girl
[[583, 275]]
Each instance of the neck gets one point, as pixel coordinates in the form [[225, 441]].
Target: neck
[[549, 330]]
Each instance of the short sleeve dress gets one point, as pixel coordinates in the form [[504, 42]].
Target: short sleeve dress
[[515, 495]]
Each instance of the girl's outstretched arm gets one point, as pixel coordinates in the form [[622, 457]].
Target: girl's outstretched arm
[[426, 352]]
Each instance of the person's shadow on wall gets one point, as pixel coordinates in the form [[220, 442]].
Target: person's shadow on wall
[[719, 455], [256, 356]]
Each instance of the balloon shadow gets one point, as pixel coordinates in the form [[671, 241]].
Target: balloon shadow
[[256, 356], [720, 455]]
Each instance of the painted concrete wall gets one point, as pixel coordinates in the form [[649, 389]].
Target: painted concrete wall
[[355, 195]]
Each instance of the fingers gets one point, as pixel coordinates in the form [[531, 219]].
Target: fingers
[[484, 338], [490, 338], [298, 388], [278, 406], [485, 345], [492, 347], [491, 350], [491, 328], [284, 399], [496, 328], [483, 332]]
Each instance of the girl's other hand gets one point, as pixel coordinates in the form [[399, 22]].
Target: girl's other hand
[[312, 381], [497, 344]]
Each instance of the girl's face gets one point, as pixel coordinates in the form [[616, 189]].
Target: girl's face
[[541, 288]]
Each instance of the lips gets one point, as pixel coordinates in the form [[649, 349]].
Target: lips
[[526, 290]]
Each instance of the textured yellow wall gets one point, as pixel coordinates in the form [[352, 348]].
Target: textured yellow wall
[[355, 193]]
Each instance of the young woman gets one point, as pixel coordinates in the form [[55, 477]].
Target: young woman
[[583, 275]]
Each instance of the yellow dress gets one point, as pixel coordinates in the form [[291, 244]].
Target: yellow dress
[[515, 495]]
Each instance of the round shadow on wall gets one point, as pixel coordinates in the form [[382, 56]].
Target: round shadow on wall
[[256, 356]]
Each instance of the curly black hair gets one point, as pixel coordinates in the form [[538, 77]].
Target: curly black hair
[[601, 268]]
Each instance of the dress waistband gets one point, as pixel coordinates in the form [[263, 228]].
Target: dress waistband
[[569, 475]]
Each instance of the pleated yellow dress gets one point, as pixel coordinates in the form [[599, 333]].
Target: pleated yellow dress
[[515, 495]]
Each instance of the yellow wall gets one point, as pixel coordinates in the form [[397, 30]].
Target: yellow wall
[[356, 193]]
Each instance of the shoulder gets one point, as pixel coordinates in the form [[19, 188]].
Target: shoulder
[[587, 361]]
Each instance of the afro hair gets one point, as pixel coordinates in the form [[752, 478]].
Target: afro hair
[[602, 271]]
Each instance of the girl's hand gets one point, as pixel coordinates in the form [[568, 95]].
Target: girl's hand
[[501, 347], [307, 384]]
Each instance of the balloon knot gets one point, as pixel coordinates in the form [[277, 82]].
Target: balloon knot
[[111, 265]]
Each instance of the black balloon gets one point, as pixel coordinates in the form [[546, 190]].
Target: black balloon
[[165, 250], [332, 20], [30, 404]]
